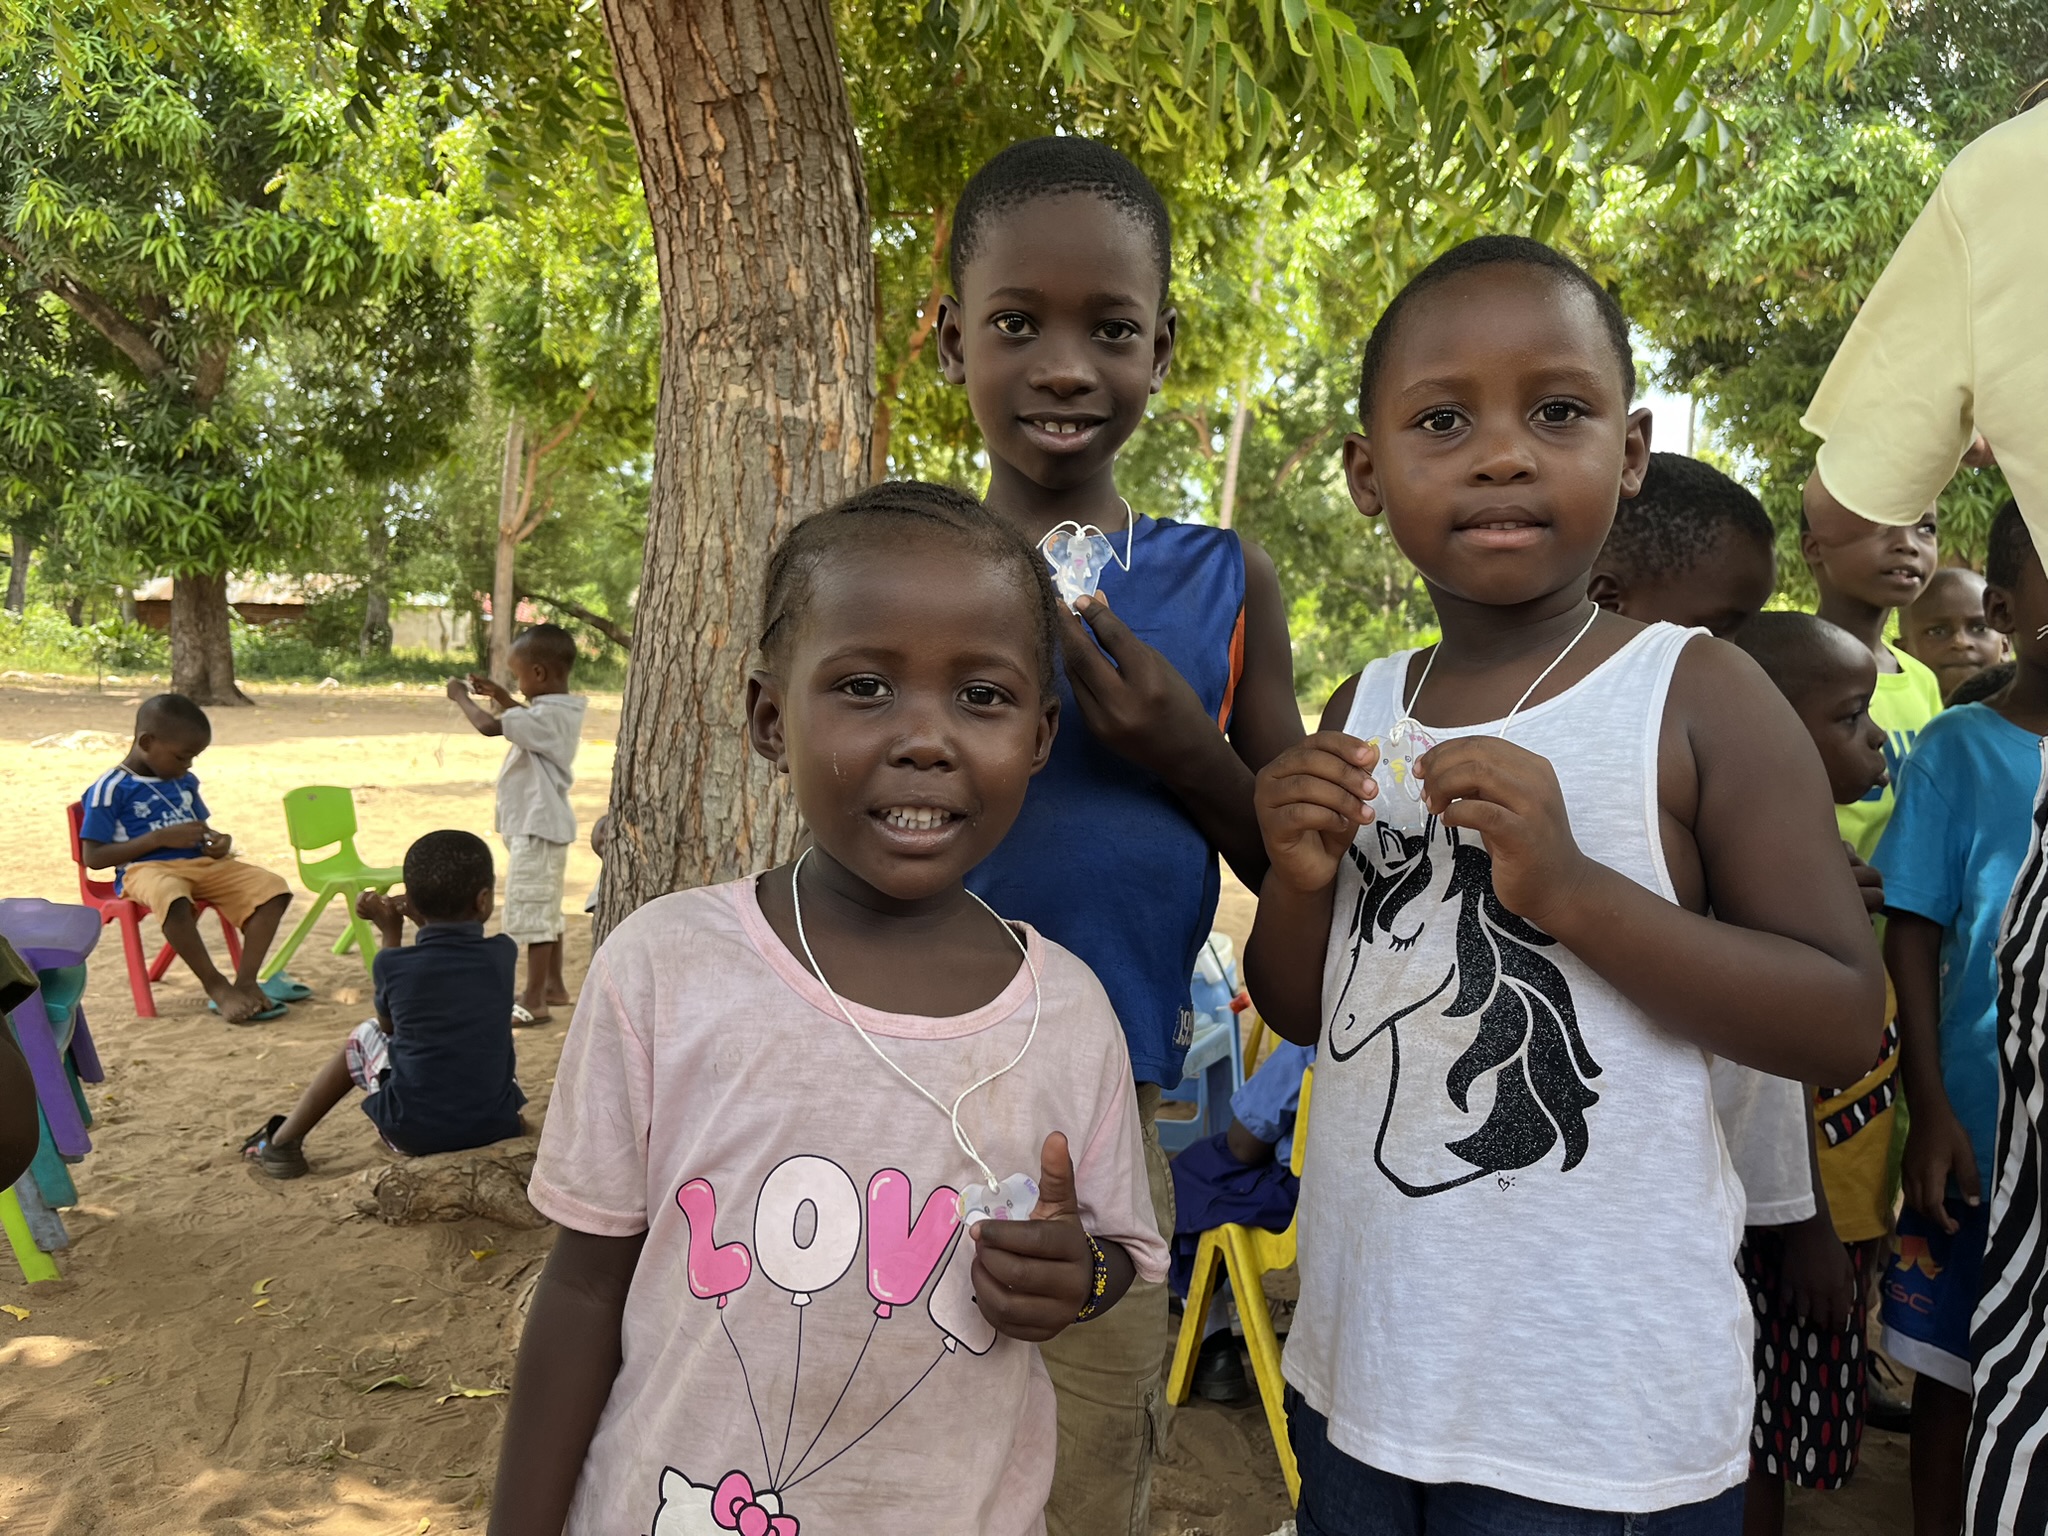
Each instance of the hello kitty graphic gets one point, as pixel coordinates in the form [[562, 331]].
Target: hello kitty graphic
[[1486, 1069]]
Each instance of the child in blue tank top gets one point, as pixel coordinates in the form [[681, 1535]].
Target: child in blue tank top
[[1178, 687]]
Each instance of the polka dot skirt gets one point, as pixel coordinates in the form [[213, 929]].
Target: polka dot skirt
[[1809, 1385]]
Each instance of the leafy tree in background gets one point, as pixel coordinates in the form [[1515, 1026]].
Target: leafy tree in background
[[1750, 284], [144, 187], [752, 163]]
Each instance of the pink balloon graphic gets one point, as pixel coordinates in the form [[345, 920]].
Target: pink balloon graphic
[[901, 1257], [712, 1270]]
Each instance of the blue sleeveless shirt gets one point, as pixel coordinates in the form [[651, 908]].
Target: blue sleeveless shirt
[[1104, 859]]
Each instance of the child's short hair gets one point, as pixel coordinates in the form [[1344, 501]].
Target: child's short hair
[[1794, 649], [550, 644], [1054, 167], [1681, 514], [445, 872], [1489, 251], [2007, 547], [171, 713], [886, 514]]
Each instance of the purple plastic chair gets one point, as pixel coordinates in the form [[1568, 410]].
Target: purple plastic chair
[[49, 936]]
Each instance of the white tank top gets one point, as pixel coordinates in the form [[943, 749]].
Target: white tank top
[[1518, 1218]]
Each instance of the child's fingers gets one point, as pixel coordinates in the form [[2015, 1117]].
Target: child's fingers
[[1495, 823], [1360, 754], [1343, 793]]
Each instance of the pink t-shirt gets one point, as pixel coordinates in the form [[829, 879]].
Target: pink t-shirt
[[789, 1358]]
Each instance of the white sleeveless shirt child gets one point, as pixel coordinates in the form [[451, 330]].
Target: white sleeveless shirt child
[[1518, 1217]]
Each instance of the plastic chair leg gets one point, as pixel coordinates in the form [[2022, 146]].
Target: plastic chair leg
[[1180, 1379], [51, 1177], [77, 1092], [1263, 1345], [138, 962], [35, 1264], [291, 945], [53, 1083], [85, 1055], [45, 1226]]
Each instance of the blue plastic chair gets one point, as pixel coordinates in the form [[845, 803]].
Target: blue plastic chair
[[1214, 1068]]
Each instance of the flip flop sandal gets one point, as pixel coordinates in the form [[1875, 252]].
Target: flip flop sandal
[[523, 1019], [285, 1160], [282, 989], [274, 1011]]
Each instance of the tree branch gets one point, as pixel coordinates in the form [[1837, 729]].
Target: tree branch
[[928, 317], [623, 638], [1299, 456], [120, 331]]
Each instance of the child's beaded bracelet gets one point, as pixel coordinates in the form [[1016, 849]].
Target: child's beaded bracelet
[[1098, 1282]]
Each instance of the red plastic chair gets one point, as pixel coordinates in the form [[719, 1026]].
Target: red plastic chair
[[113, 908]]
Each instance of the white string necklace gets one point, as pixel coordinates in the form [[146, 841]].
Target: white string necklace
[[1084, 530], [952, 1114], [1408, 723]]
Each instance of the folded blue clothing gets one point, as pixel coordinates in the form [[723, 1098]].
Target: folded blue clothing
[[1210, 1188]]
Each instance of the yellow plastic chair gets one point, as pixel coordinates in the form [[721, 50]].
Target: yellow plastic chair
[[1248, 1254], [319, 818]]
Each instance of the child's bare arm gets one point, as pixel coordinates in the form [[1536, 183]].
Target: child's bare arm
[[568, 1359], [181, 835], [1312, 799], [1937, 1146], [486, 723], [1785, 977], [1142, 709]]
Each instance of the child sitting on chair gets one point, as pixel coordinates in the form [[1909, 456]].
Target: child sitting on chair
[[437, 1060], [146, 817]]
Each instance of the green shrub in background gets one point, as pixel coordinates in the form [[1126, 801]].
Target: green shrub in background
[[43, 640]]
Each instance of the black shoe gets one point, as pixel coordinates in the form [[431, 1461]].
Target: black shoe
[[1219, 1371], [279, 1159]]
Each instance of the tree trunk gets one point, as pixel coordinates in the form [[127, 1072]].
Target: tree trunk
[[202, 658], [74, 610], [761, 242], [17, 571], [503, 597], [1226, 508], [376, 636]]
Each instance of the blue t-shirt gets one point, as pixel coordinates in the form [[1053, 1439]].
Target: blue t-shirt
[[1957, 837], [122, 806], [450, 1085], [1104, 858]]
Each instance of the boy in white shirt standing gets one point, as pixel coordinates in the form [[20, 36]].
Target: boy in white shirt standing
[[534, 815]]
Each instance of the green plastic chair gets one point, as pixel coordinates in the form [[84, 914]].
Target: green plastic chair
[[316, 819]]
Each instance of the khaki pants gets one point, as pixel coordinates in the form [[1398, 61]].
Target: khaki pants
[[1108, 1375]]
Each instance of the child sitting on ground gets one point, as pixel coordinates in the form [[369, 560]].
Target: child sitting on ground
[[1810, 1281], [437, 1060], [534, 815], [1946, 630], [1949, 859], [146, 818], [1492, 874], [767, 1077]]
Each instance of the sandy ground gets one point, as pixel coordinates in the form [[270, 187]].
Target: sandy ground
[[239, 1357]]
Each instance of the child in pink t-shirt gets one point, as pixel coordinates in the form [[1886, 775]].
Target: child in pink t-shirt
[[764, 1311]]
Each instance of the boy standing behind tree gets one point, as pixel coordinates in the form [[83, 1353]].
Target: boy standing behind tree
[[534, 815]]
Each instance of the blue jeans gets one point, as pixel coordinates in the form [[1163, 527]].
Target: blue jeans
[[1343, 1497]]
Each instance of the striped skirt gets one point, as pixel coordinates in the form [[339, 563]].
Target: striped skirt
[[2008, 1471]]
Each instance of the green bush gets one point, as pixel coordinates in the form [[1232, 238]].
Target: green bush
[[44, 640]]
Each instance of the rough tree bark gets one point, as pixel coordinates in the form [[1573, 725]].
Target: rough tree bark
[[202, 657], [761, 241], [17, 570]]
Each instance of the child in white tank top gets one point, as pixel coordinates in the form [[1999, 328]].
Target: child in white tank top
[[1491, 870]]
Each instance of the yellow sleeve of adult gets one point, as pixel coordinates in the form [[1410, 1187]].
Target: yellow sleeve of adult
[[1896, 408]]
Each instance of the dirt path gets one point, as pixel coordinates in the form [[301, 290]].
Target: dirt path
[[236, 1357]]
